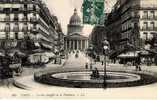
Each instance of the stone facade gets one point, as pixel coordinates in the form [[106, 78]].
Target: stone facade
[[133, 21], [27, 25], [75, 40]]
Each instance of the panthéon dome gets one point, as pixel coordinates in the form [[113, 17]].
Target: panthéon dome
[[75, 18]]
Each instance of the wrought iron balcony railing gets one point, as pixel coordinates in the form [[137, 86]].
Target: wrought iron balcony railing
[[7, 19], [149, 29], [16, 29], [33, 29], [7, 29], [33, 19], [149, 18], [25, 29], [24, 19]]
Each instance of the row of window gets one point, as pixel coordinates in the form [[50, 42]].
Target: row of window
[[148, 25], [19, 35], [144, 25], [126, 26], [17, 27], [33, 19], [149, 14], [148, 35], [126, 35], [144, 35], [11, 35], [145, 15], [18, 9], [18, 17]]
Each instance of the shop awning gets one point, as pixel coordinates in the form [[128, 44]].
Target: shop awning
[[144, 53], [50, 54], [129, 55], [21, 53], [147, 53], [37, 51], [16, 52], [46, 46], [37, 54]]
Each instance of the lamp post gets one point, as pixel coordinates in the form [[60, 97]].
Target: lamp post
[[134, 52], [105, 49], [91, 54]]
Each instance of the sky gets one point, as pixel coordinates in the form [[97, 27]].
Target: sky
[[64, 9]]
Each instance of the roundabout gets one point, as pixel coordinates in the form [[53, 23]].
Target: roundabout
[[82, 79]]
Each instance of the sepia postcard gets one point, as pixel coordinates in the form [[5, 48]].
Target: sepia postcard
[[78, 49]]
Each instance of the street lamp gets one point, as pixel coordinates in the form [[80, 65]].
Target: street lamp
[[105, 49], [134, 50], [91, 54]]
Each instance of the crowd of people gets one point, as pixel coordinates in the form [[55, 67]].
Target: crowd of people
[[137, 62]]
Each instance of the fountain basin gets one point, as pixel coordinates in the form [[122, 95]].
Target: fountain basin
[[82, 79], [112, 77]]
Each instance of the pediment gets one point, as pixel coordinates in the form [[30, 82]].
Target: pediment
[[76, 36]]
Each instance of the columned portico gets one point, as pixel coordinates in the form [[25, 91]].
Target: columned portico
[[75, 37], [75, 44], [70, 44], [81, 44]]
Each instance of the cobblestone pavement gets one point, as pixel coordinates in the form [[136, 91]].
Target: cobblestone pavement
[[36, 89]]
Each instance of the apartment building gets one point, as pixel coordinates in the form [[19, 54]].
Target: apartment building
[[27, 25], [138, 22]]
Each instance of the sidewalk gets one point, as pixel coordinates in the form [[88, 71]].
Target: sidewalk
[[75, 64], [122, 67], [32, 70]]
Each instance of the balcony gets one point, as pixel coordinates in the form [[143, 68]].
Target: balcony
[[25, 29], [16, 19], [34, 19], [30, 8], [25, 1], [7, 29], [21, 8], [149, 18], [24, 19], [148, 7], [125, 30], [7, 19], [34, 29], [136, 16], [149, 29], [6, 1], [16, 29]]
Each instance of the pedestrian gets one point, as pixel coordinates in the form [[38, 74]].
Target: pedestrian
[[86, 66], [102, 63], [137, 63], [139, 68], [95, 61], [97, 73], [91, 67], [55, 62]]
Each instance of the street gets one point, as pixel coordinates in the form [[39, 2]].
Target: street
[[37, 89]]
